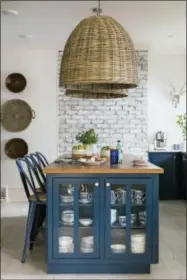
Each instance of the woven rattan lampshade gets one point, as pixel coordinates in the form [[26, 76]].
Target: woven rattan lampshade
[[99, 57]]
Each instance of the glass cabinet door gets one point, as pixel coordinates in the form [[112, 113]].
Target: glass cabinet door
[[138, 221], [116, 221], [128, 223], [76, 226]]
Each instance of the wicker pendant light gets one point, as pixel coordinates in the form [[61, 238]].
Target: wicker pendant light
[[99, 57]]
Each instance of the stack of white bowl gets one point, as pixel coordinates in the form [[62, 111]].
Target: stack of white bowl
[[87, 244], [65, 244], [138, 243]]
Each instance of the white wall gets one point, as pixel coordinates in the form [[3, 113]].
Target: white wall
[[40, 70], [162, 71]]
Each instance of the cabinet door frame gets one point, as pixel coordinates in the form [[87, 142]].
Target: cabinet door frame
[[55, 224], [128, 256]]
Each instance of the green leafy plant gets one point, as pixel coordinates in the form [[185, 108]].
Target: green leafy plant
[[181, 121], [88, 137]]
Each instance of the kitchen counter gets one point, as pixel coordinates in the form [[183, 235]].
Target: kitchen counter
[[104, 168], [167, 151], [101, 195]]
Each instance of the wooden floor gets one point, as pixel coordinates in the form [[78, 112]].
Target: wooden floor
[[172, 263]]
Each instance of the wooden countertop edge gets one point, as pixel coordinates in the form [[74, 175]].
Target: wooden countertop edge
[[61, 170]]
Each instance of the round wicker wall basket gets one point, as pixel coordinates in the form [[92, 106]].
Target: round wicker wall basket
[[16, 115], [99, 57]]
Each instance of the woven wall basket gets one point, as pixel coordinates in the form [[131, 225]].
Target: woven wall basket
[[99, 52], [16, 147], [16, 115]]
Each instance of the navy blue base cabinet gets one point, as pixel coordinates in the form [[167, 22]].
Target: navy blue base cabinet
[[102, 223], [170, 183]]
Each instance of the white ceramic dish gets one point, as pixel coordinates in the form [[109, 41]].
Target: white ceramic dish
[[66, 249], [66, 223], [91, 162], [138, 237], [138, 250], [82, 160], [67, 216], [84, 201], [66, 198], [87, 240], [85, 222], [122, 221], [113, 213], [65, 241], [118, 248], [138, 246], [123, 224], [86, 250]]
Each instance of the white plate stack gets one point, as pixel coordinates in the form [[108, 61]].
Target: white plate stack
[[138, 243], [118, 248], [87, 244], [65, 244]]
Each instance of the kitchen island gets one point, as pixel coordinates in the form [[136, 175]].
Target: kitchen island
[[102, 219]]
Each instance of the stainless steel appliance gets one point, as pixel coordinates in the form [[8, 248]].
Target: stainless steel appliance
[[160, 140]]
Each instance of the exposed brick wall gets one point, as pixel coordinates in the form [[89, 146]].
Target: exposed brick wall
[[113, 119]]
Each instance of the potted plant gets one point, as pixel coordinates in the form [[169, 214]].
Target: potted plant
[[88, 138], [105, 152], [181, 121]]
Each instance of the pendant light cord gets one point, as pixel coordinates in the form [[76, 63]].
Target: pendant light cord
[[99, 9]]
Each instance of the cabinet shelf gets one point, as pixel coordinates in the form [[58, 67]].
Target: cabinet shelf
[[62, 225], [135, 205], [85, 205], [71, 205], [62, 205], [118, 205], [118, 226], [91, 226], [124, 205]]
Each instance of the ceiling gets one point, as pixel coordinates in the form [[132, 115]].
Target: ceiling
[[50, 22]]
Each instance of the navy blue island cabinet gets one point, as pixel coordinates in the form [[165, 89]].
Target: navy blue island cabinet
[[102, 219]]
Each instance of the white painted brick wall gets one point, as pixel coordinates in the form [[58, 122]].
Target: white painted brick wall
[[112, 119]]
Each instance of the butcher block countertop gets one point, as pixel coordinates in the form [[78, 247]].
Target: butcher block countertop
[[104, 168]]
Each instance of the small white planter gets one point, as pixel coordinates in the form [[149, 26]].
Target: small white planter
[[93, 148]]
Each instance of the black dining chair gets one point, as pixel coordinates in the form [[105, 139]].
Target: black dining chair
[[38, 166], [36, 199], [42, 159]]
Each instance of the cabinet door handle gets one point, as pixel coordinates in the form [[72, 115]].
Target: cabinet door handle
[[174, 156], [107, 184], [97, 184]]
